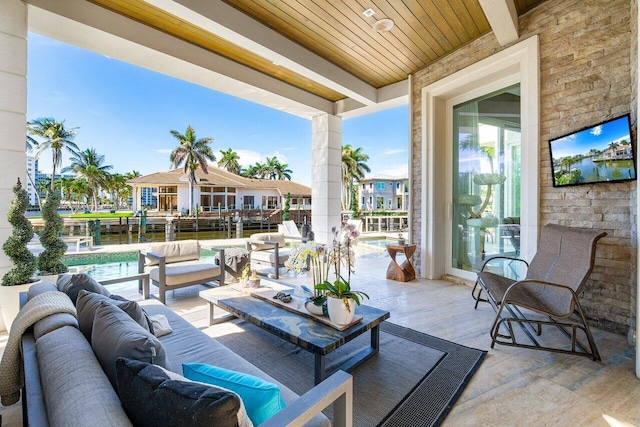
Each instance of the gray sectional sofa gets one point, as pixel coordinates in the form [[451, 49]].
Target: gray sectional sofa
[[65, 384]]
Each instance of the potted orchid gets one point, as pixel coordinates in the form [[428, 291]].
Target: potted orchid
[[341, 299], [312, 257]]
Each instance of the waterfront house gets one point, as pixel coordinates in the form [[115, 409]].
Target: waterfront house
[[382, 192], [218, 190]]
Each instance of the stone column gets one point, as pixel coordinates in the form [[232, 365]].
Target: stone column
[[13, 110], [136, 194], [326, 178]]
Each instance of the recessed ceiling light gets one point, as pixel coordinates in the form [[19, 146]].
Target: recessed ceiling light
[[369, 12], [383, 25]]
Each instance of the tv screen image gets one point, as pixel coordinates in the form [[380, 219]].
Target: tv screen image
[[599, 153]]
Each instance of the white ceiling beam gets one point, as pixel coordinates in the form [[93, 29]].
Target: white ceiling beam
[[389, 96], [503, 18], [86, 25], [223, 20]]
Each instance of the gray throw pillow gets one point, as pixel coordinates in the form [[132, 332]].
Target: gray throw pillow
[[88, 303], [152, 396], [72, 284], [115, 335], [144, 312]]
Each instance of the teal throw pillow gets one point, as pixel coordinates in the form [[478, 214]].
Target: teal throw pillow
[[261, 399]]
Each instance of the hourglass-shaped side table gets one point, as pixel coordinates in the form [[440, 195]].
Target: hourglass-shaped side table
[[401, 272]]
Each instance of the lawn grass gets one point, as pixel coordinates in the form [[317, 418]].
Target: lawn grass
[[101, 215]]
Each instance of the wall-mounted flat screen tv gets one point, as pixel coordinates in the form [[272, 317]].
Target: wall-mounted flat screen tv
[[600, 153]]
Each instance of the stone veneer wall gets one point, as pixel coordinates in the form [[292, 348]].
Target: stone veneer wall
[[633, 199], [586, 77]]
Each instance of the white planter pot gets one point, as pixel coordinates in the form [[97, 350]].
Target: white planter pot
[[313, 309], [338, 312], [10, 301], [52, 278]]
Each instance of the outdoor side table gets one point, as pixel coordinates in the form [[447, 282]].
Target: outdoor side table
[[401, 272]]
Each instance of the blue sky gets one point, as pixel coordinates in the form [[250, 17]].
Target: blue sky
[[126, 112], [597, 137]]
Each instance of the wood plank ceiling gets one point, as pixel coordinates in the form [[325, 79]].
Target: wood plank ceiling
[[339, 32]]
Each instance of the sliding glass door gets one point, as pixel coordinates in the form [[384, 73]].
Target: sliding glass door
[[486, 176]]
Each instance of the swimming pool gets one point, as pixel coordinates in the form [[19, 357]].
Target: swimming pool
[[102, 266], [108, 265], [378, 242]]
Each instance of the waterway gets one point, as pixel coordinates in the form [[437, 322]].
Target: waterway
[[604, 171]]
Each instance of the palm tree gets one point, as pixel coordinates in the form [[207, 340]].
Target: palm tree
[[80, 192], [43, 185], [282, 172], [271, 167], [66, 184], [353, 170], [56, 138], [119, 190], [258, 170], [229, 161], [192, 152], [90, 165]]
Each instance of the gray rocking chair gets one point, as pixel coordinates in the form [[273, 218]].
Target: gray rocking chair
[[553, 282]]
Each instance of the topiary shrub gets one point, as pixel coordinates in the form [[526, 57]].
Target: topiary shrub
[[50, 260], [287, 206], [24, 262], [354, 205]]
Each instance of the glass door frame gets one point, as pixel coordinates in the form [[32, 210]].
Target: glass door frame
[[430, 206], [450, 104]]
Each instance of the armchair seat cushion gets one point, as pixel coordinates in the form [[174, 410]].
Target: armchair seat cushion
[[186, 272], [270, 256], [257, 238], [183, 250]]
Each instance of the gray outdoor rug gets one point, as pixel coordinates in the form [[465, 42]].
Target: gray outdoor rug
[[414, 380]]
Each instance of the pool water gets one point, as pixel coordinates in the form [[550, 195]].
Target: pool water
[[102, 266], [378, 242]]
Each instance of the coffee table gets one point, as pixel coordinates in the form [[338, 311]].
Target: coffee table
[[297, 329]]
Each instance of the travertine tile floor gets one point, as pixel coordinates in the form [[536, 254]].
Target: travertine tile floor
[[513, 387]]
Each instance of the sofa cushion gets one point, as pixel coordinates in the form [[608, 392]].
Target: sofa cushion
[[115, 334], [72, 284], [40, 288], [88, 303], [186, 272], [270, 256], [152, 396], [187, 344], [261, 398], [76, 391], [148, 324], [184, 250], [53, 322], [266, 237]]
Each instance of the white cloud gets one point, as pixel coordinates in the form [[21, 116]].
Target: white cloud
[[596, 131]]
